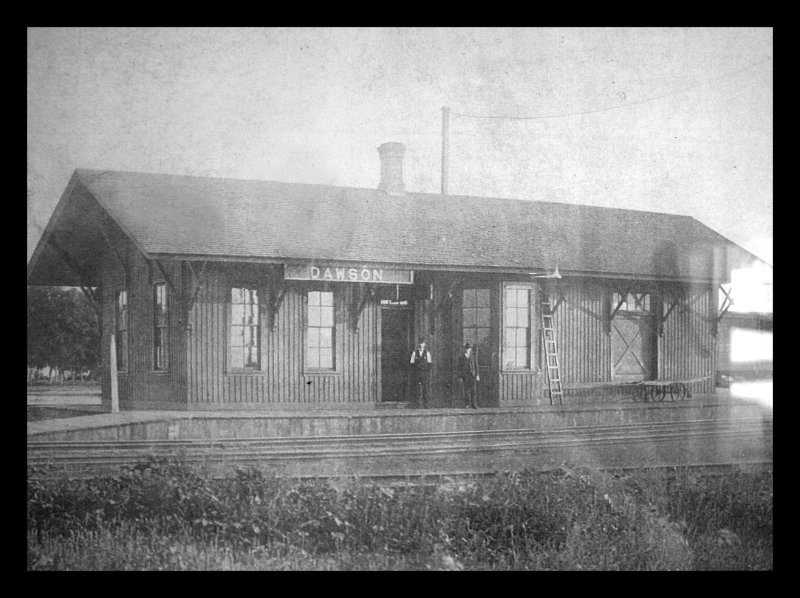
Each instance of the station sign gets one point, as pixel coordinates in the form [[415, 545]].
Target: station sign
[[348, 274]]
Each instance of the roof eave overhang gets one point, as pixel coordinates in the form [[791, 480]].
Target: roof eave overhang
[[473, 269], [48, 231], [69, 277]]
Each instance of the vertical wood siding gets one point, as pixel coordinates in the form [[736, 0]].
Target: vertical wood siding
[[282, 378], [584, 348], [140, 385], [198, 355], [687, 349]]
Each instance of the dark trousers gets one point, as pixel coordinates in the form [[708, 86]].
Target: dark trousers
[[421, 388], [469, 391]]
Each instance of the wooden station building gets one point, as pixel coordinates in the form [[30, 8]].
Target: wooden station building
[[249, 295]]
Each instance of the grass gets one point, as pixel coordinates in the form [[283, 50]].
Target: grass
[[162, 515]]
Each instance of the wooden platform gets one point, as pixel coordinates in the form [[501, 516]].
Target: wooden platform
[[412, 442]]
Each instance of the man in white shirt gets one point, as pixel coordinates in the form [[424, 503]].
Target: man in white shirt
[[421, 373]]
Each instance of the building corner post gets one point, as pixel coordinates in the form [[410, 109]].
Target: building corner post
[[114, 378]]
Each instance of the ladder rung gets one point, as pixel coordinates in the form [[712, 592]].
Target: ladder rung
[[551, 353]]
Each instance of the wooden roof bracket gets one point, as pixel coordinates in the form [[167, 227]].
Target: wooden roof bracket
[[561, 299], [726, 305], [663, 317], [689, 306], [173, 289], [444, 305], [90, 295], [364, 293], [85, 288], [114, 248], [167, 278], [277, 293], [197, 284], [551, 287], [613, 312]]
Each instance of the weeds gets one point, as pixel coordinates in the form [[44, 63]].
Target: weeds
[[162, 514]]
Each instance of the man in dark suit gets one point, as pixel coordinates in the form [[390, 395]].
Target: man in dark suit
[[469, 374], [421, 373]]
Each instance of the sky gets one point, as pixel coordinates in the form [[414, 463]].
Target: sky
[[675, 120]]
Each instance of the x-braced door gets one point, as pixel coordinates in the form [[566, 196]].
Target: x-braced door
[[633, 348]]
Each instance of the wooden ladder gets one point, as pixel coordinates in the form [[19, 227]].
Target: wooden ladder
[[551, 354]]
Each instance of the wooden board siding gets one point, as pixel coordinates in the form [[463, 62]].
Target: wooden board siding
[[583, 346], [198, 375], [687, 347], [141, 386], [281, 380], [522, 389]]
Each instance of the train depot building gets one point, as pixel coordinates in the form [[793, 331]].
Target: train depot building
[[245, 295]]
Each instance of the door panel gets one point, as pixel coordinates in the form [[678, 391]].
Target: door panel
[[395, 353], [633, 349]]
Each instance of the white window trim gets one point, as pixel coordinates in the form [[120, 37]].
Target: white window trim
[[533, 328]]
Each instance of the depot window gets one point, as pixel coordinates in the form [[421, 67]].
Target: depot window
[[160, 331], [320, 331], [121, 340], [245, 329], [475, 315], [517, 328]]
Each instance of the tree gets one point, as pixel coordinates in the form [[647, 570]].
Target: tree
[[63, 330]]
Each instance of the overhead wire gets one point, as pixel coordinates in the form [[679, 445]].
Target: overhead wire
[[618, 106]]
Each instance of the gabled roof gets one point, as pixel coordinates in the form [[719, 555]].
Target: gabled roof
[[200, 217]]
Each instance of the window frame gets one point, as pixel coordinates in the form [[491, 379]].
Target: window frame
[[533, 328], [236, 370], [334, 328], [117, 330], [638, 298], [154, 359], [484, 358]]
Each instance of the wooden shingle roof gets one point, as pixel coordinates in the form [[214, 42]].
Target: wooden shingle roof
[[187, 216]]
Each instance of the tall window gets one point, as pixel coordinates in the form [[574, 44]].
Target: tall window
[[122, 330], [320, 345], [160, 338], [245, 328], [475, 321], [517, 328]]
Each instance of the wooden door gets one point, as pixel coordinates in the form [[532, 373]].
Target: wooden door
[[633, 348], [396, 348]]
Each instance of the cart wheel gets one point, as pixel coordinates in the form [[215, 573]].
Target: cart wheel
[[662, 393], [673, 390]]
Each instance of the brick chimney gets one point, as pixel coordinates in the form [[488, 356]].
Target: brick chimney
[[392, 168]]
